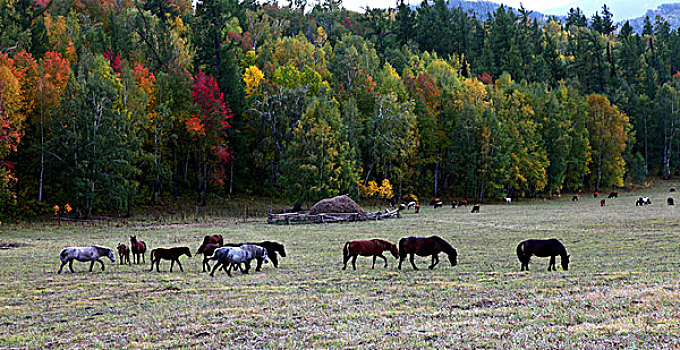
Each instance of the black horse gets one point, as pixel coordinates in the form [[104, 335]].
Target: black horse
[[424, 247], [272, 249], [542, 248]]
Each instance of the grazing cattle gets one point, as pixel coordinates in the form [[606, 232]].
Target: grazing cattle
[[91, 253], [373, 247], [172, 254], [643, 201], [410, 205], [508, 200], [574, 198], [438, 204], [417, 208], [602, 202], [613, 195], [670, 201], [595, 194], [542, 248], [234, 256], [123, 254], [138, 248], [422, 246], [475, 209]]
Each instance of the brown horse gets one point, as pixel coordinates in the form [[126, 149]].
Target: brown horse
[[373, 247], [207, 250], [138, 248], [123, 254], [214, 239], [423, 246], [172, 254]]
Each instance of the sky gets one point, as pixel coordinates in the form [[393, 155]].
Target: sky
[[536, 5]]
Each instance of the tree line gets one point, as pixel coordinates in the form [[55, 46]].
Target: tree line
[[108, 104]]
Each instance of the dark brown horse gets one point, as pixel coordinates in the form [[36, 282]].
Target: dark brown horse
[[542, 248], [373, 247], [172, 254], [123, 254], [207, 250], [138, 248], [425, 246]]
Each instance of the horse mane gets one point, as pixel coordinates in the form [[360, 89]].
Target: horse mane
[[102, 250], [384, 242], [446, 247]]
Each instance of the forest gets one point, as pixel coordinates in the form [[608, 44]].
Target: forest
[[109, 104]]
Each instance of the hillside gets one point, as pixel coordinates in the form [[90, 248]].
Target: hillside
[[670, 12], [622, 9], [482, 8]]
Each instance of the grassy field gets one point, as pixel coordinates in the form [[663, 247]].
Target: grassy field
[[622, 289]]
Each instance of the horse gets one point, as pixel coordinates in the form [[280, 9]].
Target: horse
[[670, 201], [402, 206], [463, 202], [123, 253], [595, 194], [672, 189], [172, 254], [475, 209], [215, 239], [424, 246], [454, 204], [542, 248], [417, 207], [207, 250], [434, 200], [508, 200], [613, 195], [438, 204], [373, 247], [410, 205], [91, 253], [602, 202], [272, 249], [230, 256], [138, 248], [574, 198], [643, 201]]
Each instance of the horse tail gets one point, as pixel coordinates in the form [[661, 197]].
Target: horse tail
[[520, 249], [345, 250], [401, 247]]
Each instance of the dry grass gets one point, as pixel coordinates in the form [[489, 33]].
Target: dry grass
[[622, 290]]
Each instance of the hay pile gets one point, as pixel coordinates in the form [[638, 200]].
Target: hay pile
[[339, 204]]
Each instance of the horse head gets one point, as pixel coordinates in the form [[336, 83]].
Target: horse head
[[394, 251], [187, 251], [110, 255], [133, 239], [279, 248], [453, 258], [565, 262]]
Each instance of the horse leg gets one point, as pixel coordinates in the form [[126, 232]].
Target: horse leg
[[62, 266], [247, 263], [274, 259], [229, 270], [374, 257], [258, 268], [92, 264], [435, 261], [345, 259], [143, 258], [101, 262], [401, 258], [172, 263], [411, 257], [70, 266], [551, 265], [180, 266], [384, 258], [212, 273], [354, 261]]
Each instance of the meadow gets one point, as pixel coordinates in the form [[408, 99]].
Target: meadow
[[622, 289]]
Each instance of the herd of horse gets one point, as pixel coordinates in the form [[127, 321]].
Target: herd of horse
[[233, 256]]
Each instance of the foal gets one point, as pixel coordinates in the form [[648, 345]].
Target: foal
[[172, 254], [123, 253]]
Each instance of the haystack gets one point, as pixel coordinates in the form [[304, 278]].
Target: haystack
[[339, 204]]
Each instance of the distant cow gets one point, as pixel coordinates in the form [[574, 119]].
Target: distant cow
[[438, 204], [417, 207], [574, 198], [643, 201], [463, 202], [410, 205], [602, 202], [508, 200], [434, 201], [613, 195], [595, 194], [475, 209], [670, 201]]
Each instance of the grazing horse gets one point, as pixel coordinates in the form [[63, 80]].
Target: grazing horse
[[574, 198], [424, 246], [670, 201], [613, 195], [172, 254], [410, 205], [373, 247], [138, 248], [207, 250], [91, 253], [475, 209], [123, 253], [230, 256], [463, 202], [272, 249], [602, 202], [542, 248]]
